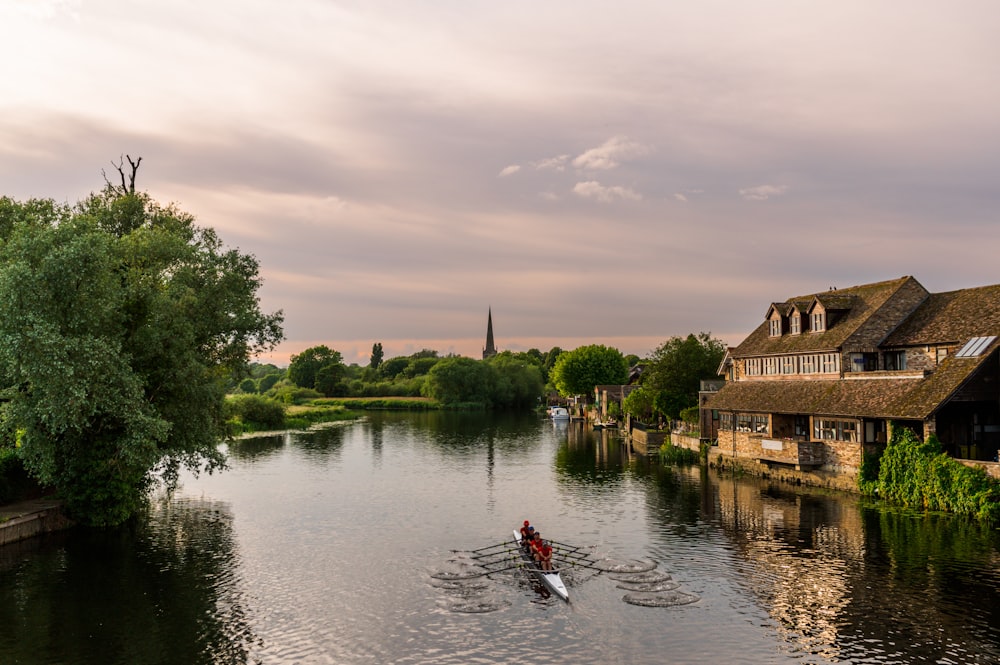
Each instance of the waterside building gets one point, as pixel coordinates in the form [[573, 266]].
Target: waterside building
[[826, 376]]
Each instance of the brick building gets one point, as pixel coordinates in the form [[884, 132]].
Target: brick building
[[829, 374]]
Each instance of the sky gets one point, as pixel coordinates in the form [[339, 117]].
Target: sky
[[591, 172]]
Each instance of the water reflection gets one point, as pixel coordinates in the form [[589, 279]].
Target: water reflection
[[591, 458], [318, 547], [844, 582], [85, 596]]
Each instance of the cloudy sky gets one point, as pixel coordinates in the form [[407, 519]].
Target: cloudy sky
[[596, 172]]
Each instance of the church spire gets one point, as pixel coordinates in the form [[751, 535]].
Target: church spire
[[490, 349]]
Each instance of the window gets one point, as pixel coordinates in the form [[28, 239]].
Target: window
[[942, 353], [726, 421], [770, 365], [788, 364], [835, 430], [831, 363], [774, 327], [809, 364], [895, 360], [864, 362], [802, 426], [753, 367], [795, 323], [744, 423], [818, 322], [758, 424]]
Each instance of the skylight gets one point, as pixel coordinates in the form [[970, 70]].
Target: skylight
[[975, 347]]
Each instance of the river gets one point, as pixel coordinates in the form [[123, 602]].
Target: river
[[337, 546]]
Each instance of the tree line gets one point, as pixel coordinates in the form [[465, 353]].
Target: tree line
[[668, 380], [125, 325]]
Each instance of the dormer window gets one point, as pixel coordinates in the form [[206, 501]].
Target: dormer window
[[774, 327], [795, 324], [818, 321]]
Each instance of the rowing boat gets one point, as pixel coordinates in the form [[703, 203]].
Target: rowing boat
[[550, 578]]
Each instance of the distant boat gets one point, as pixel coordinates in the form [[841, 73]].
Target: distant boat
[[608, 424], [558, 413]]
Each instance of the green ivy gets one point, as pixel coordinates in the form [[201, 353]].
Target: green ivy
[[917, 474]]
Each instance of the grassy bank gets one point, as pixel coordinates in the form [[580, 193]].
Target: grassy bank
[[379, 403]]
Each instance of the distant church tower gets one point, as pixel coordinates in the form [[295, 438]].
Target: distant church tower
[[490, 349]]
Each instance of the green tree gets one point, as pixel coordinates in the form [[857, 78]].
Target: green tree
[[248, 385], [304, 366], [122, 323], [518, 383], [377, 355], [267, 382], [639, 404], [675, 369], [394, 366], [330, 380], [461, 380], [419, 366], [577, 372]]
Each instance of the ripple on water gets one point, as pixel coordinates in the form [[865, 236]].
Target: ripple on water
[[477, 605], [460, 585], [612, 566], [641, 578], [666, 599], [649, 587]]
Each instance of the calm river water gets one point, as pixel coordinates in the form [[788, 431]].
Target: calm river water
[[329, 547]]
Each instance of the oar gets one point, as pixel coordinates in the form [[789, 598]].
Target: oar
[[577, 564], [483, 549], [567, 545], [519, 564], [509, 550], [573, 555]]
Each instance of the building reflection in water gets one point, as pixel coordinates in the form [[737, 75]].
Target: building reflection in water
[[846, 582]]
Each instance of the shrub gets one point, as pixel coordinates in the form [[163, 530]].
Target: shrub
[[671, 454], [255, 412], [691, 415], [917, 474]]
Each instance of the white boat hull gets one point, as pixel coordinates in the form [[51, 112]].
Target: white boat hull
[[550, 578]]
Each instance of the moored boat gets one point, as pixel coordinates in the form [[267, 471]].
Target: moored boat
[[550, 578], [559, 413]]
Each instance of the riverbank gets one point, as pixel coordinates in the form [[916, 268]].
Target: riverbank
[[27, 519]]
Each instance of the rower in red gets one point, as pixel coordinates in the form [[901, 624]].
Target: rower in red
[[525, 535], [544, 555]]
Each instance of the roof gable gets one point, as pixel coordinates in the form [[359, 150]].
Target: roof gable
[[855, 306], [953, 317]]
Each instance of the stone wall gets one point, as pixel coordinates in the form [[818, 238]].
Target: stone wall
[[721, 459], [647, 443], [683, 441], [27, 520]]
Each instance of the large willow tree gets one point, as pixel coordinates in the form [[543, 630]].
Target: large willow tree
[[120, 321]]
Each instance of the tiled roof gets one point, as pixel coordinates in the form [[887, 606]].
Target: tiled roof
[[868, 397], [865, 300], [951, 318], [836, 300], [833, 398]]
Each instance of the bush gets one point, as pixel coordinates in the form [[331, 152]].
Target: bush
[[671, 454], [691, 415], [917, 474], [255, 413], [289, 393]]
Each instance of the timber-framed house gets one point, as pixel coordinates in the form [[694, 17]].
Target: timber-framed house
[[829, 374]]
